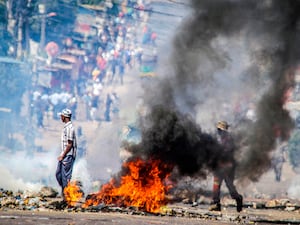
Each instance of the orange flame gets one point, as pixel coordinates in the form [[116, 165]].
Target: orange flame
[[72, 193], [143, 186]]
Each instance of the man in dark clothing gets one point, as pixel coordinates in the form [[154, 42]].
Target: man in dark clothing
[[225, 169], [278, 159]]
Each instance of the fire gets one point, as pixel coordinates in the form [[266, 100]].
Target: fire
[[72, 193], [143, 186]]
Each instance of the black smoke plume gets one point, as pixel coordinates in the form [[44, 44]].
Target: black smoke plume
[[177, 140], [225, 51]]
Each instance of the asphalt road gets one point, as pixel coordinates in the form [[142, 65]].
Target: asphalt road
[[66, 218], [192, 215]]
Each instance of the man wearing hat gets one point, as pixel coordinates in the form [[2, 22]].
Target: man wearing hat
[[68, 150], [225, 169]]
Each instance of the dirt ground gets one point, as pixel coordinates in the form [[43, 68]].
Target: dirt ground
[[59, 218], [196, 215]]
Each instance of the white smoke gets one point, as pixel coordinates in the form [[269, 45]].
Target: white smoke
[[81, 173], [20, 171], [103, 150], [294, 189], [23, 172]]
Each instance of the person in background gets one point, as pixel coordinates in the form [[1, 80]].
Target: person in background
[[39, 111], [82, 143], [277, 158], [67, 156], [108, 104], [225, 169]]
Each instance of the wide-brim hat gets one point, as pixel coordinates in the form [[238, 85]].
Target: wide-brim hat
[[222, 125]]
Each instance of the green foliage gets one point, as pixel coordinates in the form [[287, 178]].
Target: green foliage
[[58, 25], [5, 38], [3, 20], [2, 12], [14, 81], [61, 25], [294, 148]]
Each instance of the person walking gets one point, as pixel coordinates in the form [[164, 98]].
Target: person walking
[[278, 159], [68, 150], [225, 169]]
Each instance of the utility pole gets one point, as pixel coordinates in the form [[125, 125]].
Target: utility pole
[[42, 11], [21, 13], [20, 36], [11, 20]]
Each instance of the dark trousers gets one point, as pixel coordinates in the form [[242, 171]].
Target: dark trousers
[[226, 173], [64, 171]]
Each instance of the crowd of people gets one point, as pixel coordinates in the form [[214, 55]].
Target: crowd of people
[[99, 64]]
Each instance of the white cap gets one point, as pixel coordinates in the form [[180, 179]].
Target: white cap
[[65, 113]]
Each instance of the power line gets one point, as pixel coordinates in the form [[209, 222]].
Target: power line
[[152, 11], [148, 10], [104, 13]]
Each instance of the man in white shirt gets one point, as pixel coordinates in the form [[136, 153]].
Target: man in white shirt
[[68, 150]]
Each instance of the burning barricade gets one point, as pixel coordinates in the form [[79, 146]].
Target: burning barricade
[[143, 185]]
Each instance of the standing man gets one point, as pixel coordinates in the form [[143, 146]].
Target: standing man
[[68, 150], [225, 169]]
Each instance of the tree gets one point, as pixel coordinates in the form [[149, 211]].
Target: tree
[[59, 18], [91, 2], [2, 12], [6, 39], [15, 80]]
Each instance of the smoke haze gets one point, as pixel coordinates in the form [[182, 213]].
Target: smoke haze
[[20, 171], [227, 55]]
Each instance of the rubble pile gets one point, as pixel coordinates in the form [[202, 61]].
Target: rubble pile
[[46, 198], [186, 205]]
